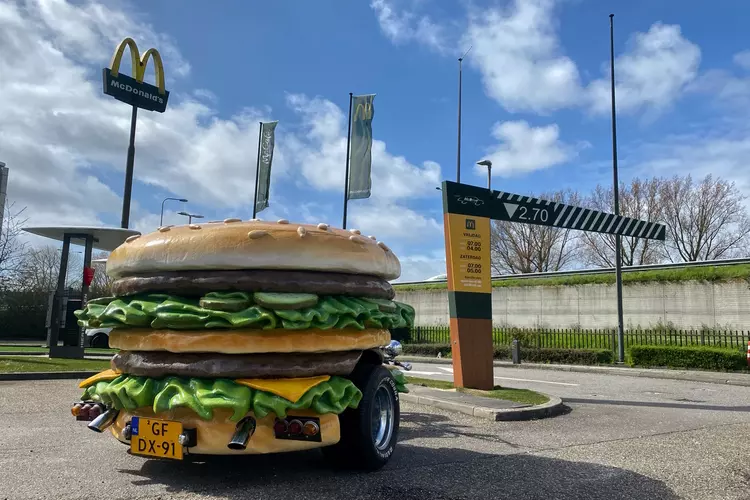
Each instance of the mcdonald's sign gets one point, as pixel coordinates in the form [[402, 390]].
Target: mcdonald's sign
[[132, 89]]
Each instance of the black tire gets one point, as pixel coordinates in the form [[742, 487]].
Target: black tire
[[357, 448], [100, 341]]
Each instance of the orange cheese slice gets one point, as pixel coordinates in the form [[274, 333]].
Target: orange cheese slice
[[105, 375], [248, 341], [288, 388]]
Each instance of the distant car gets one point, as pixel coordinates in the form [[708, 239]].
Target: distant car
[[98, 337]]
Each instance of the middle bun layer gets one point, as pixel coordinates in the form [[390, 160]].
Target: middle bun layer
[[210, 365], [248, 341]]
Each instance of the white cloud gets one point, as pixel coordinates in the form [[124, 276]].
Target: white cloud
[[651, 74], [725, 87], [320, 150], [404, 26], [518, 53], [420, 267], [720, 151], [524, 149], [742, 59], [517, 50], [61, 134], [394, 222], [62, 138]]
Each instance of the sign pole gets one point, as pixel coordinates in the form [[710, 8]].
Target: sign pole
[[348, 144], [618, 238], [257, 167], [129, 172]]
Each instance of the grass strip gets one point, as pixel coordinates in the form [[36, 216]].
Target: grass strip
[[708, 273], [22, 364], [508, 394], [42, 350]]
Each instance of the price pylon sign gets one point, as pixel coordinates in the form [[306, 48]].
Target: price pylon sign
[[468, 212]]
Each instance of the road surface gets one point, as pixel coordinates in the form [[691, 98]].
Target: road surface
[[623, 439]]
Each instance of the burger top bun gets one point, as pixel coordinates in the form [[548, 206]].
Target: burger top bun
[[234, 244]]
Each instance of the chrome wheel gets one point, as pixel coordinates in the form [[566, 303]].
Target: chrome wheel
[[382, 418]]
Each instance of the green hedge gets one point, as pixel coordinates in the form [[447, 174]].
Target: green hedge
[[431, 350], [566, 356], [700, 357], [545, 355]]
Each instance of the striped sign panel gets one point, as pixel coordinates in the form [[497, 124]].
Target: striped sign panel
[[529, 210]]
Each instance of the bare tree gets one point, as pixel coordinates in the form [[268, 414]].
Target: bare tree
[[638, 200], [705, 221], [523, 248], [40, 268], [11, 248]]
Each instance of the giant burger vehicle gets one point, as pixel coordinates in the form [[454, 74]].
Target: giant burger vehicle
[[250, 337]]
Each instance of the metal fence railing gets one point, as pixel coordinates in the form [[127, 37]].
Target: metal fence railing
[[591, 339]]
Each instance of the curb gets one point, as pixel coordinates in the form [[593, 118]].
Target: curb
[[688, 375], [551, 408], [46, 375]]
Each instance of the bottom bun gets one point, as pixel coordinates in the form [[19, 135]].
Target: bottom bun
[[214, 435]]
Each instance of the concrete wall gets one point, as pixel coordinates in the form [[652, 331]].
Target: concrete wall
[[683, 305]]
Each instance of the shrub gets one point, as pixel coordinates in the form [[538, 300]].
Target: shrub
[[560, 356], [431, 350], [701, 357], [546, 355]]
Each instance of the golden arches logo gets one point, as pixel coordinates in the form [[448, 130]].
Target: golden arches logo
[[139, 63], [363, 109]]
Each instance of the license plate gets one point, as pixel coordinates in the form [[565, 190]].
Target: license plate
[[155, 438]]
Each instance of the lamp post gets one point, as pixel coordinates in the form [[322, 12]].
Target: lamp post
[[616, 187], [460, 84], [161, 218], [488, 164], [190, 216]]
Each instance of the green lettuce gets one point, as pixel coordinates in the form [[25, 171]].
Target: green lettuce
[[203, 396], [179, 313]]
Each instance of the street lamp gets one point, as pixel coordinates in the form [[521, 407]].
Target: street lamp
[[488, 164], [161, 219], [190, 216]]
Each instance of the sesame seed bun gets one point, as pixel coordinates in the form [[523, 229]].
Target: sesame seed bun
[[234, 244]]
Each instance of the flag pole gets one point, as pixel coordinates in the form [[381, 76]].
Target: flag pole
[[257, 167], [618, 251], [348, 143]]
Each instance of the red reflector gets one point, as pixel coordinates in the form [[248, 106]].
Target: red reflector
[[94, 412], [279, 427], [84, 411], [295, 427]]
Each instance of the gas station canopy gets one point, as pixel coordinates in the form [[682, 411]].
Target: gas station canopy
[[105, 238]]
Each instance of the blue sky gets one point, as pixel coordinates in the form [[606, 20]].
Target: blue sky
[[535, 101]]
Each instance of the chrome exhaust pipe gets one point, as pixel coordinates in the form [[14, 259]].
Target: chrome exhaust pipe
[[104, 420], [242, 434]]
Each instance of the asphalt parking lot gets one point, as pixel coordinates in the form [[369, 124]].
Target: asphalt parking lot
[[597, 450]]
